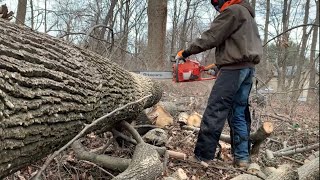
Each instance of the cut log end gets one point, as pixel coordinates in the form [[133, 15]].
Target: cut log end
[[268, 127]]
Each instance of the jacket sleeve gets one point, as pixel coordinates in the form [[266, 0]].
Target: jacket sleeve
[[221, 28]]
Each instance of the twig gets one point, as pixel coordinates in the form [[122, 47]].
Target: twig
[[99, 168], [102, 149], [289, 148], [81, 133], [291, 159], [288, 31], [193, 131], [298, 150], [273, 140], [58, 167], [133, 131], [119, 134], [276, 117]]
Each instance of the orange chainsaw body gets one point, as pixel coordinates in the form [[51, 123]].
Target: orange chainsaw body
[[189, 70]]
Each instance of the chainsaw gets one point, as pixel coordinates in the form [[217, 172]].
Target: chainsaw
[[185, 70]]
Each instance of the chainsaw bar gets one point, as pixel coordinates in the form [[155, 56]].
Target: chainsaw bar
[[156, 74]]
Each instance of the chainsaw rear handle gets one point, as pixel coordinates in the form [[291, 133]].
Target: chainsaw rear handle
[[210, 66]]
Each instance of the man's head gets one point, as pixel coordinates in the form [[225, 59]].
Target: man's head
[[221, 5], [217, 4]]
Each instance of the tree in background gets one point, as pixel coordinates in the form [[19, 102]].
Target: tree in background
[[21, 12], [157, 21]]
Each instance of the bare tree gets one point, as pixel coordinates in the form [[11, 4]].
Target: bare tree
[[312, 92], [301, 59], [21, 12], [283, 44], [157, 20]]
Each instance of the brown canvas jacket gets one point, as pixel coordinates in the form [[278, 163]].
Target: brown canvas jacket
[[235, 35]]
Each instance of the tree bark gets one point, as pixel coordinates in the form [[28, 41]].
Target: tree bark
[[301, 60], [21, 12], [263, 68], [283, 46], [49, 90], [183, 33], [309, 171], [312, 92], [284, 172], [157, 20]]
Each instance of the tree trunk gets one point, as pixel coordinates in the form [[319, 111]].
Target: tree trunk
[[31, 14], [21, 12], [263, 68], [125, 34], [283, 46], [49, 90], [301, 58], [253, 4], [183, 33], [174, 28], [312, 92], [157, 20]]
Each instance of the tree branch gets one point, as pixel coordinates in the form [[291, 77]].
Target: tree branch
[[81, 133]]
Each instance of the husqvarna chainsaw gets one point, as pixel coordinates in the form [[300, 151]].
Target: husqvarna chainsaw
[[185, 70]]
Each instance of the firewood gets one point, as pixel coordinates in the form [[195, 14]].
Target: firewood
[[284, 172], [194, 120], [260, 135], [269, 170], [256, 137], [311, 157], [160, 116], [309, 171], [177, 155]]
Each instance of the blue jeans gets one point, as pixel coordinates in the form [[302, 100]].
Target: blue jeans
[[228, 100]]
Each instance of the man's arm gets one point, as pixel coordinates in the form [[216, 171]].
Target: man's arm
[[221, 28]]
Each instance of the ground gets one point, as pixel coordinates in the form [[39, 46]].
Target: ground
[[297, 125]]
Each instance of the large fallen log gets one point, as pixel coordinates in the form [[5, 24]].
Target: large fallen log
[[50, 89]]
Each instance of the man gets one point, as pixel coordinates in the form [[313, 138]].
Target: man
[[235, 36]]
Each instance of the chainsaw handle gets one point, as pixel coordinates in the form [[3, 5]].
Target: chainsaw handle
[[210, 66]]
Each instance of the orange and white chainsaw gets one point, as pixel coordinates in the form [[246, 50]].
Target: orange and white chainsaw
[[185, 70]]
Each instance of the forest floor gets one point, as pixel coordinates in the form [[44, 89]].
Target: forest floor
[[293, 125]]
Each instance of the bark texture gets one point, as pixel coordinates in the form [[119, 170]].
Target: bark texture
[[157, 20], [309, 171], [49, 89]]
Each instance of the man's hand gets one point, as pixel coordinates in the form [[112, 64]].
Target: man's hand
[[179, 55], [182, 55], [213, 71]]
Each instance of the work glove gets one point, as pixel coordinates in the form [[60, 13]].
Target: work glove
[[181, 55], [213, 71]]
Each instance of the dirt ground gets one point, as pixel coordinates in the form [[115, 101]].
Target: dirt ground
[[298, 125]]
